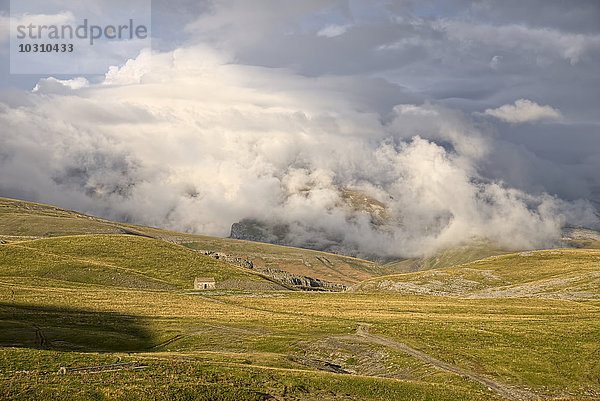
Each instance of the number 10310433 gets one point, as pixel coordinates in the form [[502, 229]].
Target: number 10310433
[[46, 48]]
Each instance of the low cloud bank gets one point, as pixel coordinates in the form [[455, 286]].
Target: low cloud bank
[[188, 141]]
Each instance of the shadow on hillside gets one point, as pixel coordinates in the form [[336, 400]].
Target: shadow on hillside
[[71, 329]]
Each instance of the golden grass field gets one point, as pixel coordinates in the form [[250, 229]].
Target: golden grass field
[[76, 294]]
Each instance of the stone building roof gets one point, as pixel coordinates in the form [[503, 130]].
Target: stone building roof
[[205, 279]]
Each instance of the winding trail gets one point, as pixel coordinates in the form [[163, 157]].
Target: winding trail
[[362, 334], [40, 339], [504, 390]]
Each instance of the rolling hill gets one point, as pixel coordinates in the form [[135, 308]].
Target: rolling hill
[[92, 309], [458, 255], [559, 274], [21, 221], [121, 261]]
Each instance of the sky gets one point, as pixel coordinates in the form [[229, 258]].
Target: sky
[[467, 119]]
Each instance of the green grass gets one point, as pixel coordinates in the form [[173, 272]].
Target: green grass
[[21, 220], [100, 298], [549, 346], [118, 260], [325, 266], [199, 379], [458, 255], [241, 351], [584, 243], [26, 219], [561, 273]]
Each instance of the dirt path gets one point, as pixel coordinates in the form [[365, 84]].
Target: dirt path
[[504, 390], [169, 341], [40, 339], [215, 326], [362, 334]]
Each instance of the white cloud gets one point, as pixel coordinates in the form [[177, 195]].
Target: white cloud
[[331, 31], [59, 86], [131, 72], [197, 143], [524, 111], [408, 109], [495, 62], [540, 41]]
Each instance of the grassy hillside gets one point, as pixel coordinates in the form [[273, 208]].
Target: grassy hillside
[[518, 326], [25, 220], [120, 261], [561, 273], [481, 249], [253, 345], [583, 243], [21, 220], [449, 257], [322, 265]]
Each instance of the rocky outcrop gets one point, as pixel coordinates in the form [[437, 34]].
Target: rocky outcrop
[[232, 260], [300, 282], [258, 231], [303, 282], [576, 233]]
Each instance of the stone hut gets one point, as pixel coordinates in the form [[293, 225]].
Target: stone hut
[[204, 283]]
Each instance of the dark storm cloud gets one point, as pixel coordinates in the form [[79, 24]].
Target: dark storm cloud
[[481, 51]]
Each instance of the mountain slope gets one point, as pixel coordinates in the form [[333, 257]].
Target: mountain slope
[[120, 261], [326, 266], [466, 253], [70, 303], [560, 274], [20, 220]]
